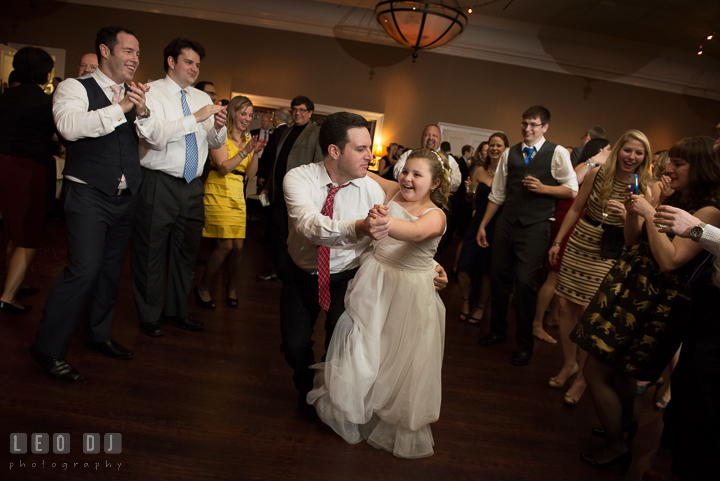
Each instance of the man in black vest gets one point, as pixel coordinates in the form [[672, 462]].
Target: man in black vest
[[96, 116], [530, 177]]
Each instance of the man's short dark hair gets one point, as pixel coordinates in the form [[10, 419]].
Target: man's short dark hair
[[445, 146], [466, 149], [300, 100], [201, 84], [32, 65], [108, 36], [537, 112], [175, 48], [596, 132], [334, 130]]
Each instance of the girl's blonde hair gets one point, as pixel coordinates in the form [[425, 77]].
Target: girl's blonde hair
[[439, 169]]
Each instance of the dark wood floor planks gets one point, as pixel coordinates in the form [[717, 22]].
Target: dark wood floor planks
[[220, 404]]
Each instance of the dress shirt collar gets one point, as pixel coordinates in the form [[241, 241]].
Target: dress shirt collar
[[324, 178], [104, 81], [172, 86], [538, 145]]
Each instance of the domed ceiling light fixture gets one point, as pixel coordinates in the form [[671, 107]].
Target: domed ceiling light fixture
[[421, 24]]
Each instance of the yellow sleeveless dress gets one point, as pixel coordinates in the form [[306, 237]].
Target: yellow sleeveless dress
[[224, 200]]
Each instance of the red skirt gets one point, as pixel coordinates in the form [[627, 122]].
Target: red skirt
[[22, 199]]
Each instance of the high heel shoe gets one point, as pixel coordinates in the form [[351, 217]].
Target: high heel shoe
[[198, 300], [554, 383], [623, 460], [641, 388], [630, 428], [572, 401], [464, 315], [10, 309]]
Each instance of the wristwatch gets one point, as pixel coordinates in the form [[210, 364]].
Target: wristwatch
[[144, 115], [697, 232], [589, 165]]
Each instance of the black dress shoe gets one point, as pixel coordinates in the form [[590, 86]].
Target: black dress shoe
[[55, 368], [190, 324], [268, 277], [8, 308], [491, 339], [521, 357], [111, 349], [152, 329]]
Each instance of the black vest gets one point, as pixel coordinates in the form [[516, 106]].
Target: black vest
[[521, 204], [101, 161]]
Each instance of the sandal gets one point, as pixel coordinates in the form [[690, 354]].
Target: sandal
[[464, 315], [231, 301]]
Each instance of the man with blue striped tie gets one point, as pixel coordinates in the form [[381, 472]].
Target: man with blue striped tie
[[171, 214], [530, 177]]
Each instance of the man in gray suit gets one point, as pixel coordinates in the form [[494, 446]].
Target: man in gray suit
[[297, 146]]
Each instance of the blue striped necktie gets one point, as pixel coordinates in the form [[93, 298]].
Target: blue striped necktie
[[529, 152], [191, 150]]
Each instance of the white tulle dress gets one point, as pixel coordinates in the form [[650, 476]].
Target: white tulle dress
[[381, 377]]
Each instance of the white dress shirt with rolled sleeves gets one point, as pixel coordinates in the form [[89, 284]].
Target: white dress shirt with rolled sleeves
[[305, 189], [561, 170], [162, 135]]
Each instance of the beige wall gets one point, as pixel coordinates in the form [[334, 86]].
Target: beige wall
[[437, 88]]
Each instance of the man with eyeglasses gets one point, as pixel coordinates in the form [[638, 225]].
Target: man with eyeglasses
[[297, 146], [530, 177]]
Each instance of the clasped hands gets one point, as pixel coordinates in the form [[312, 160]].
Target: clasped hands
[[134, 97], [378, 222]]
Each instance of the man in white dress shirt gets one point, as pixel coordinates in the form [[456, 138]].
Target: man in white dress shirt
[[530, 177], [171, 215], [97, 116], [347, 148]]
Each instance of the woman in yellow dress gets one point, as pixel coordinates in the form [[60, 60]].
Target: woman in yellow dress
[[224, 199]]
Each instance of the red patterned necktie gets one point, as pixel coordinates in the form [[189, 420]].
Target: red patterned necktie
[[324, 252]]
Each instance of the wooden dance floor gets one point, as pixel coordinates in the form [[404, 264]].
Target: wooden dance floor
[[220, 404]]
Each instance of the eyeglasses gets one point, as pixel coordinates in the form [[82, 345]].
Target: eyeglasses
[[299, 111], [534, 125]]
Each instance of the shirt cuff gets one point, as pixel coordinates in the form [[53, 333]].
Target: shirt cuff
[[710, 239], [189, 124], [117, 116]]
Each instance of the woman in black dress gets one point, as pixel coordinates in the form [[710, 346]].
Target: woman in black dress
[[26, 149], [473, 269], [639, 315]]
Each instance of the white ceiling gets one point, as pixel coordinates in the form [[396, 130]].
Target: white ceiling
[[649, 43]]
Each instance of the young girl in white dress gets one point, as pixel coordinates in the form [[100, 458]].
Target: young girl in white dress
[[381, 377]]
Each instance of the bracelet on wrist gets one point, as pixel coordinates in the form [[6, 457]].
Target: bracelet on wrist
[[557, 244]]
